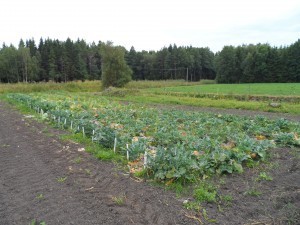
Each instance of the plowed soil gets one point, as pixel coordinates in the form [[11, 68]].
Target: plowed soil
[[45, 179]]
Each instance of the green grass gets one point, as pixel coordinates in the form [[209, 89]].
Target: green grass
[[227, 199], [87, 86], [205, 193], [253, 192], [61, 179], [119, 200], [34, 222], [76, 86], [273, 89], [208, 102], [196, 206], [159, 84], [97, 150], [40, 196], [174, 92], [264, 176]]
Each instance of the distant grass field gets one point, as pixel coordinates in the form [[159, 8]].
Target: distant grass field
[[87, 86], [160, 84], [144, 98], [75, 86], [273, 89], [230, 96], [202, 94]]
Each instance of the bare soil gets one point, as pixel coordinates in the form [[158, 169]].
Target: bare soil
[[46, 179], [258, 201]]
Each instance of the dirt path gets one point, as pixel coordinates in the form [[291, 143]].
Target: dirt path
[[40, 179]]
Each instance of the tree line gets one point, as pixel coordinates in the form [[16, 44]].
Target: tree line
[[172, 62], [50, 60], [259, 63], [69, 60]]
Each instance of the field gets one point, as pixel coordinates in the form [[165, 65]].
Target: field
[[191, 152], [261, 98], [258, 97], [170, 145], [87, 86], [280, 89]]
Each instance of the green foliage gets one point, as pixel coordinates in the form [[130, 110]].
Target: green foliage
[[281, 89], [34, 222], [192, 206], [87, 86], [63, 61], [180, 146], [253, 192], [50, 60], [208, 81], [258, 64], [205, 193], [97, 150], [226, 65], [264, 176], [40, 196], [141, 173], [115, 71], [118, 92], [210, 102], [287, 139], [175, 163], [88, 171], [119, 200], [227, 199], [106, 155], [145, 84], [61, 179]]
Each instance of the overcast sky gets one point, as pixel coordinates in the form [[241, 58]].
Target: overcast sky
[[153, 24]]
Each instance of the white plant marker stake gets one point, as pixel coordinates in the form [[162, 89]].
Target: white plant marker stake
[[93, 135], [71, 125], [145, 159], [127, 152], [115, 145], [65, 121], [83, 133]]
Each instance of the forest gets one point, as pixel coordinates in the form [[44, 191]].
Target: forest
[[62, 61]]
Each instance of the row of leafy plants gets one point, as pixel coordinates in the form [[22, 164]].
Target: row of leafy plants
[[168, 145]]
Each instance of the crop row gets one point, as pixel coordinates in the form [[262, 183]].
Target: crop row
[[169, 144]]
